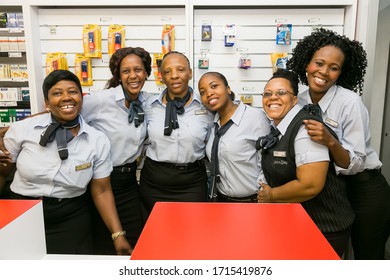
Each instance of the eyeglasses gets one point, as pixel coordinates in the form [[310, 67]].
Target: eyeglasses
[[278, 93]]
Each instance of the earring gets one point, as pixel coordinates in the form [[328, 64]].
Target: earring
[[48, 109]]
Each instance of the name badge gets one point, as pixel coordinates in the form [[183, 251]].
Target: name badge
[[331, 122], [280, 154], [201, 112], [83, 166]]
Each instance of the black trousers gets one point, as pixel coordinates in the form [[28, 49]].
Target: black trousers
[[369, 194], [339, 240], [68, 227], [126, 193], [160, 182]]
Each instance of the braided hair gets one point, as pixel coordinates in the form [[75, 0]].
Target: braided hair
[[119, 55]]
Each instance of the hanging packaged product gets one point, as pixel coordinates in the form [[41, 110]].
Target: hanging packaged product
[[247, 99], [229, 31], [116, 38], [283, 34], [206, 33], [203, 61], [245, 61], [168, 38], [55, 61], [279, 60], [92, 40], [83, 69], [157, 59]]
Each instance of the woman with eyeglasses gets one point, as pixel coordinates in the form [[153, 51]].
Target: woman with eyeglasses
[[299, 170], [235, 162], [333, 67]]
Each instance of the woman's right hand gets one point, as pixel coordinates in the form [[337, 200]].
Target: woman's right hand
[[5, 157]]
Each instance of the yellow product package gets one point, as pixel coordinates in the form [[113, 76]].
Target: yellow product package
[[55, 61], [279, 60], [92, 40], [83, 69], [157, 59], [116, 38], [168, 38]]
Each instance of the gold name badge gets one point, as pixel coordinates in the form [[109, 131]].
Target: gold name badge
[[201, 112], [280, 154], [331, 122], [83, 166]]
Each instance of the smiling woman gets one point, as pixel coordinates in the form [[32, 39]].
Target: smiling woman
[[231, 149], [333, 67], [58, 168], [178, 128], [299, 170]]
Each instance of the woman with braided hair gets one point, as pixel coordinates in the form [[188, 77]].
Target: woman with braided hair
[[333, 67]]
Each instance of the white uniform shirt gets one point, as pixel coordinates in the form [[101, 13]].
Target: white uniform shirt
[[239, 161], [344, 112], [106, 111], [187, 143], [41, 172]]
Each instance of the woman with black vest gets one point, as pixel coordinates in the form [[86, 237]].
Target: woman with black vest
[[298, 169]]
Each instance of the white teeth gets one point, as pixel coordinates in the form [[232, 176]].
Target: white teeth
[[320, 81], [67, 106], [274, 106], [213, 101]]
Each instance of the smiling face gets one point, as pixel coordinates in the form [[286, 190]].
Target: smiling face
[[214, 93], [64, 100], [324, 69], [276, 105], [176, 73], [132, 75]]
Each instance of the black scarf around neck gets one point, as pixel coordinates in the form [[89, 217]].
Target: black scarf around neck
[[62, 134], [174, 107], [136, 112], [268, 141]]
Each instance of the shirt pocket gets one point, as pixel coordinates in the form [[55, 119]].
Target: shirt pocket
[[79, 173]]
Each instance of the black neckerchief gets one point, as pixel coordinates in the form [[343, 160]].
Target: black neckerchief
[[268, 141], [60, 132], [174, 107], [136, 112]]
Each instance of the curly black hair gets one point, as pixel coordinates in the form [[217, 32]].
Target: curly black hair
[[355, 62], [116, 59]]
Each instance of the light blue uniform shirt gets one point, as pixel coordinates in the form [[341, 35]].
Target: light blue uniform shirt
[[344, 112], [239, 161], [306, 150], [106, 111], [187, 143], [41, 172]]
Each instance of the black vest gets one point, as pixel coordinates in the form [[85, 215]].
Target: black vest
[[330, 209]]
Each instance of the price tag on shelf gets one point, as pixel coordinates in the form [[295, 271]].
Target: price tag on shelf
[[15, 30], [8, 103], [14, 54]]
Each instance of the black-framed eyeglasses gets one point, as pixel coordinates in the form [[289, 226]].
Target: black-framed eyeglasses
[[278, 93]]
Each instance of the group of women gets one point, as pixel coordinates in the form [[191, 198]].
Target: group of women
[[311, 148]]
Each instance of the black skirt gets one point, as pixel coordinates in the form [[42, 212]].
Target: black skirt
[[126, 193], [68, 226], [172, 182]]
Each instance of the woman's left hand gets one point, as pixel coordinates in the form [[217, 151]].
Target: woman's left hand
[[122, 246]]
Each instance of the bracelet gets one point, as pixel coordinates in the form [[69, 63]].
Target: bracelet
[[115, 235]]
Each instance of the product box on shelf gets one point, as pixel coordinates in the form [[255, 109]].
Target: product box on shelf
[[3, 20]]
